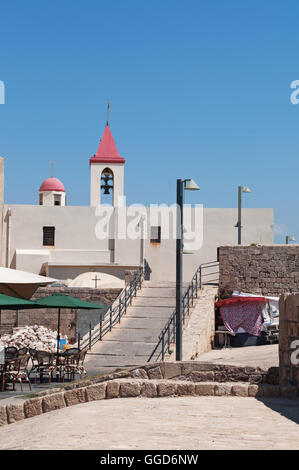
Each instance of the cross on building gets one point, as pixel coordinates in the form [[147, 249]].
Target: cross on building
[[96, 279]]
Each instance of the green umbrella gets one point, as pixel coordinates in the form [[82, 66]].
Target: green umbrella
[[64, 301], [13, 303]]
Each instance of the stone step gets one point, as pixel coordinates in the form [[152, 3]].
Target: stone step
[[157, 292], [136, 323], [154, 302], [149, 312], [145, 335], [124, 348]]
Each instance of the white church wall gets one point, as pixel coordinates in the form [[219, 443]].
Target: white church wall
[[74, 230], [77, 248]]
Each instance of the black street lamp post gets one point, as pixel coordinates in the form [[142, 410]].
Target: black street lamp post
[[181, 185]]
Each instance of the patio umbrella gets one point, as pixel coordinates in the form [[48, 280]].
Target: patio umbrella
[[61, 301], [21, 283], [13, 303]]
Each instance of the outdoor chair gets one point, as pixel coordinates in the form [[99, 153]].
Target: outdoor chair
[[45, 365], [73, 364], [10, 352], [33, 358], [22, 351], [17, 372]]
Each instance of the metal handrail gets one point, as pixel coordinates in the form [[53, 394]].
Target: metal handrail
[[114, 313], [168, 333]]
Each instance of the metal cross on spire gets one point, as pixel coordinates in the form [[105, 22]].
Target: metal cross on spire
[[52, 163], [108, 112]]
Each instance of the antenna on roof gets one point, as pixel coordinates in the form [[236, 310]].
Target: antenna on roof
[[108, 112]]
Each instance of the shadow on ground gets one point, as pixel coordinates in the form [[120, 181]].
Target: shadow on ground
[[287, 408]]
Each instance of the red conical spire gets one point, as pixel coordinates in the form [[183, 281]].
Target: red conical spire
[[107, 151]]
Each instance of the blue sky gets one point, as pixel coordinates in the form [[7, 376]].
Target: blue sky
[[198, 89]]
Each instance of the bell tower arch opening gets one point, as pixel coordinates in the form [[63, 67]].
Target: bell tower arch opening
[[107, 186]]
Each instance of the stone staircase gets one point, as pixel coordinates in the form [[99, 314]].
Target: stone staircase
[[131, 342]]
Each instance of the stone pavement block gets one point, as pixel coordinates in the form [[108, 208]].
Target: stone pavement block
[[185, 389], [53, 402], [15, 412], [112, 390], [149, 390], [33, 407], [167, 389], [171, 369], [154, 373], [96, 392], [3, 415], [129, 389], [76, 396], [240, 390], [204, 389], [204, 376], [223, 389]]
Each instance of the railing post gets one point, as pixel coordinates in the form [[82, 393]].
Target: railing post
[[168, 338], [192, 293], [89, 336], [200, 277], [131, 292], [101, 328], [110, 317], [79, 339], [163, 345], [119, 310]]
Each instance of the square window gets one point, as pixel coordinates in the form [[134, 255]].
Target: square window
[[57, 200], [48, 236], [155, 234]]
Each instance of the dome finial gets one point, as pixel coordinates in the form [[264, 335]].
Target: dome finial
[[52, 163]]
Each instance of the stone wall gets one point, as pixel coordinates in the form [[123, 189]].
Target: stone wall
[[69, 318], [266, 269], [152, 381], [289, 339]]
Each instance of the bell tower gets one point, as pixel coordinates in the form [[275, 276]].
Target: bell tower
[[106, 171]]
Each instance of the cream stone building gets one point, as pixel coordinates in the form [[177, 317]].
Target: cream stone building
[[64, 241]]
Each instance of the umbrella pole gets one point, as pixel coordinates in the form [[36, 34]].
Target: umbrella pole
[[58, 332], [58, 341]]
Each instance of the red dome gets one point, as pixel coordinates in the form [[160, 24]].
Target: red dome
[[52, 184]]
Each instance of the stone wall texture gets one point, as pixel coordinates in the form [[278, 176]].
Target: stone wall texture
[[289, 339], [48, 317], [266, 269]]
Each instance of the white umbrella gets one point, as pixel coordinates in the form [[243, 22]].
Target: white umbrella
[[21, 283]]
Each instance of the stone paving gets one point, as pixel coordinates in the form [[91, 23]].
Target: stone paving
[[161, 423]]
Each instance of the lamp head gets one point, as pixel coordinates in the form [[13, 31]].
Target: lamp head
[[245, 189], [190, 185]]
